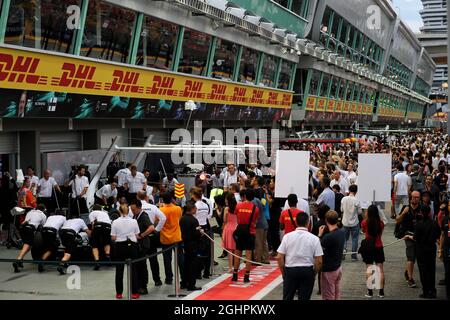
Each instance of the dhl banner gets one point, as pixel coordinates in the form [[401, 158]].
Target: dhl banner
[[330, 105], [369, 109], [354, 107], [347, 107], [321, 103], [311, 103], [339, 106], [28, 70], [360, 109]]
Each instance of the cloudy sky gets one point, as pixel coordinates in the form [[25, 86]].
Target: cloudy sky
[[409, 11]]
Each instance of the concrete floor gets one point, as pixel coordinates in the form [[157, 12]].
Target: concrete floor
[[99, 285]]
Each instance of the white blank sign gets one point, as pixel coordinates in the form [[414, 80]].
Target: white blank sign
[[292, 173], [374, 174]]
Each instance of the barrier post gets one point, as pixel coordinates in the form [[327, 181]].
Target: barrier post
[[212, 253], [129, 286], [177, 275]]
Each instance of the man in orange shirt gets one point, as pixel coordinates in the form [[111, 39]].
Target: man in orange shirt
[[171, 234]]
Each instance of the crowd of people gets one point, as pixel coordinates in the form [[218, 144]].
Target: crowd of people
[[133, 217]]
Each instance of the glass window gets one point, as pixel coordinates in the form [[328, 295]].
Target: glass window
[[325, 28], [341, 87], [157, 43], [269, 70], [334, 85], [249, 64], [297, 6], [285, 75], [41, 24], [107, 33], [324, 85], [194, 55], [313, 88], [224, 59], [350, 87], [284, 3]]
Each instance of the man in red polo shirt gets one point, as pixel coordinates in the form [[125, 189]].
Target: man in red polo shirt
[[247, 215], [288, 217]]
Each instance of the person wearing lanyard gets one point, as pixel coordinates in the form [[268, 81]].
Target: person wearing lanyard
[[124, 233], [135, 182], [101, 233], [49, 235], [44, 192], [68, 234], [79, 186], [158, 219], [203, 214], [107, 195], [146, 228], [33, 220], [299, 259]]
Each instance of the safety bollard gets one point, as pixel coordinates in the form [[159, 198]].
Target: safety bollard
[[129, 285], [176, 275], [212, 253]]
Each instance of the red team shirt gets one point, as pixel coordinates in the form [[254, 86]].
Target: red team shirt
[[243, 211], [286, 220]]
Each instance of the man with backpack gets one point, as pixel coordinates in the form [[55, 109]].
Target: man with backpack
[[247, 214]]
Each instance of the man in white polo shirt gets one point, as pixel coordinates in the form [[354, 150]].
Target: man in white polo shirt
[[33, 220], [101, 233], [50, 234], [299, 259], [135, 182], [44, 192], [107, 195], [79, 184], [33, 180]]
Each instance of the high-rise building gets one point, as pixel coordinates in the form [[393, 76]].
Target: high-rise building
[[434, 38], [434, 16]]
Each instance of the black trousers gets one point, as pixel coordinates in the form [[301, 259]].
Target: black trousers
[[447, 276], [273, 234], [190, 266], [130, 197], [126, 250], [204, 263], [299, 279], [167, 257], [49, 203], [78, 206], [141, 268], [154, 264], [426, 261]]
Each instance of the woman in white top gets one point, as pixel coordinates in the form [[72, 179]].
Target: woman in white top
[[125, 233]]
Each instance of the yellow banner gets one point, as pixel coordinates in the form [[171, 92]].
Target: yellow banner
[[347, 107], [360, 109], [354, 107], [339, 106], [311, 103], [330, 105], [321, 103], [369, 109], [27, 70]]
